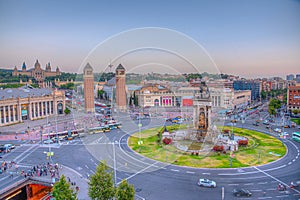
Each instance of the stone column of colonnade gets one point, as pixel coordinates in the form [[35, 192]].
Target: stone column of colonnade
[[30, 110], [34, 110], [14, 113], [4, 115], [9, 114], [42, 108], [50, 108], [46, 108], [38, 109]]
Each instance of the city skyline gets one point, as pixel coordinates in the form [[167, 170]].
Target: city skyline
[[249, 39]]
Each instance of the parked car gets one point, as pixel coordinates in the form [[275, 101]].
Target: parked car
[[287, 126], [241, 192], [255, 124], [207, 183]]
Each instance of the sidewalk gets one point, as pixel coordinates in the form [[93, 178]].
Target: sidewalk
[[81, 182]]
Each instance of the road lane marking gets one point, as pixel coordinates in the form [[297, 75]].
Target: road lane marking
[[175, 170], [275, 179], [289, 163], [264, 198], [133, 175], [262, 183], [189, 172], [282, 196], [256, 190], [206, 173], [271, 189], [233, 184], [86, 166], [249, 184]]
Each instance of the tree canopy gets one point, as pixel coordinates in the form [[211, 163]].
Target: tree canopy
[[101, 185], [62, 190]]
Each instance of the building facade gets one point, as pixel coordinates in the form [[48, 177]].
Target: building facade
[[37, 72], [293, 98], [120, 88], [25, 103], [252, 85], [88, 84], [290, 77]]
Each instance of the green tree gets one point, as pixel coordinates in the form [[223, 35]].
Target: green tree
[[125, 191], [62, 190], [272, 110], [295, 112], [67, 111], [101, 186], [100, 94], [135, 99]]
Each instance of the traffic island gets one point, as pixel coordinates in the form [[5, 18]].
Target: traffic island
[[260, 149]]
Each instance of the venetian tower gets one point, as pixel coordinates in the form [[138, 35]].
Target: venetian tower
[[88, 78], [120, 88]]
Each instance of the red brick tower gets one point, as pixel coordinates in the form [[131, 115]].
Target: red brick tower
[[88, 77], [120, 88]]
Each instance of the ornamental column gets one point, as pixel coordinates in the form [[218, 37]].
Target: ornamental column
[[4, 114]]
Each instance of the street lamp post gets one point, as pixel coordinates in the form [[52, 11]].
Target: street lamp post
[[115, 168]]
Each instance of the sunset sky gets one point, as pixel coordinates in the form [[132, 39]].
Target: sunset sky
[[259, 38]]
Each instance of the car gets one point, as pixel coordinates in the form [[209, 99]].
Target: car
[[287, 126], [267, 127], [241, 192], [207, 183], [9, 146], [3, 149], [255, 124], [277, 130], [233, 121], [266, 122], [49, 141]]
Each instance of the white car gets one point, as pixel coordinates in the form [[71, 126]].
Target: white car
[[9, 146], [207, 183], [48, 141]]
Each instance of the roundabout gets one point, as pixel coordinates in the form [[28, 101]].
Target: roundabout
[[261, 149]]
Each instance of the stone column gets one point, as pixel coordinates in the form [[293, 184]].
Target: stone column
[[50, 107], [19, 110], [46, 108], [14, 113], [4, 114], [38, 109], [34, 110], [9, 114], [30, 111], [42, 108]]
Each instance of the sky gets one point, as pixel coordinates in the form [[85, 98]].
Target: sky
[[257, 38]]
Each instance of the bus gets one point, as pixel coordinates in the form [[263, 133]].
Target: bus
[[64, 135], [296, 136], [99, 129]]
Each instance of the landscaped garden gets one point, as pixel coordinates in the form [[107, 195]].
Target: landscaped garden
[[260, 149]]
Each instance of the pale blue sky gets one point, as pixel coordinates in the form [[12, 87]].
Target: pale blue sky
[[248, 38]]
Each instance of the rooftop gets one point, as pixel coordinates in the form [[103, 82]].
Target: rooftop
[[24, 92]]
